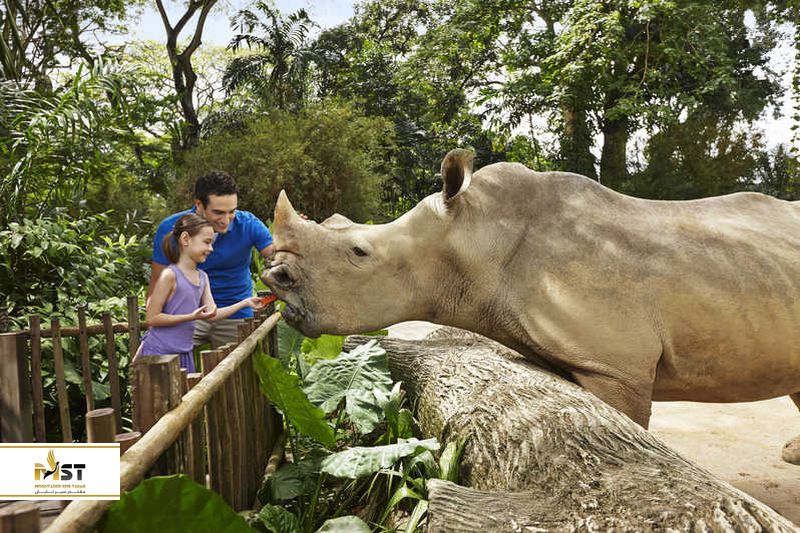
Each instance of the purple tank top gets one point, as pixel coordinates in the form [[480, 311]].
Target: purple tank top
[[184, 300]]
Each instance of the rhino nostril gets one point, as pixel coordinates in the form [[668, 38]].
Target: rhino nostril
[[281, 276]]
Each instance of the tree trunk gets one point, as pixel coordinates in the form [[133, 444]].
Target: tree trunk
[[614, 160], [183, 74], [543, 453], [576, 142]]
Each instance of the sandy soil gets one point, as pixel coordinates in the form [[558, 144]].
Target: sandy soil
[[739, 443]]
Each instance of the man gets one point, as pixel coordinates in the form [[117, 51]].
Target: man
[[216, 198]]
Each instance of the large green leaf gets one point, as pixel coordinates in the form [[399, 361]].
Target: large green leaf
[[278, 520], [363, 410], [344, 524], [172, 504], [362, 461], [364, 368], [294, 479], [323, 347], [284, 391]]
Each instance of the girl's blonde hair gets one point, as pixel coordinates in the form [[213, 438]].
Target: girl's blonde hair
[[191, 223]]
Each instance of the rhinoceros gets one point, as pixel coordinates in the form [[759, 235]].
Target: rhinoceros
[[635, 300]]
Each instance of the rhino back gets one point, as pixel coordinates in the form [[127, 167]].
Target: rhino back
[[590, 278]]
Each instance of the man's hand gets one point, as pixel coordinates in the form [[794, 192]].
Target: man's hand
[[202, 314]]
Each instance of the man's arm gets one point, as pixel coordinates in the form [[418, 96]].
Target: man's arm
[[267, 252]]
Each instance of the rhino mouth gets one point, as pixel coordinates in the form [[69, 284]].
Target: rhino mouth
[[298, 316]]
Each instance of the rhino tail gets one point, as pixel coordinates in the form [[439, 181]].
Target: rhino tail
[[456, 172]]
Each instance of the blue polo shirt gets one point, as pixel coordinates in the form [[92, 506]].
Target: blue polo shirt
[[228, 266]]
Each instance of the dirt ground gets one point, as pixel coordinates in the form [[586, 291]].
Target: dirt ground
[[739, 443]]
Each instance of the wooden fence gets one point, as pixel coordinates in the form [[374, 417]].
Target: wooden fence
[[214, 426], [22, 407]]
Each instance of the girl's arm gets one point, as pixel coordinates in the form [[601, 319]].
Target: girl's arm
[[224, 312], [154, 311]]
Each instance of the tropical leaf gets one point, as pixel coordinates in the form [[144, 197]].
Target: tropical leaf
[[294, 479], [278, 520], [170, 504], [284, 391], [344, 524], [323, 347], [365, 368], [416, 515], [362, 461], [450, 460]]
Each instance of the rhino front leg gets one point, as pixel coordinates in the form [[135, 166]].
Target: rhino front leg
[[623, 395], [791, 450]]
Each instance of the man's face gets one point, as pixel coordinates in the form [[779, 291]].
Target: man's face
[[220, 210]]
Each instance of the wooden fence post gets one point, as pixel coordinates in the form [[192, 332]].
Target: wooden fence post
[[134, 327], [100, 425], [198, 437], [155, 390], [19, 517], [86, 367], [61, 384], [113, 369], [16, 416], [36, 378], [126, 440]]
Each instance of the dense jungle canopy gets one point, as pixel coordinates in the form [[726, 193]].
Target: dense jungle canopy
[[101, 135]]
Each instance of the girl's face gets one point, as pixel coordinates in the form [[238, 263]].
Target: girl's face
[[198, 246]]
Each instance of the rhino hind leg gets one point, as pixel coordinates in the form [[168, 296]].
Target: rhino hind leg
[[634, 401], [791, 450]]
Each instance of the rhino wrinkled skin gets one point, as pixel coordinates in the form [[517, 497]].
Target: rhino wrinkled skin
[[636, 300]]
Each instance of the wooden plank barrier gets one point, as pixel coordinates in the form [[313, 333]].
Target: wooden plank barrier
[[19, 517], [15, 397], [197, 429], [100, 425], [83, 515], [126, 440], [37, 386], [83, 346], [113, 370], [156, 390], [61, 384], [134, 328]]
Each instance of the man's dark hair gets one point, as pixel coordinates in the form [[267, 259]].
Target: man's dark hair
[[215, 182]]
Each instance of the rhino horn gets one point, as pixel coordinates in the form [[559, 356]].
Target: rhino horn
[[285, 215], [456, 172]]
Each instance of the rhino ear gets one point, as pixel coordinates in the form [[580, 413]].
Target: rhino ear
[[337, 221], [456, 172]]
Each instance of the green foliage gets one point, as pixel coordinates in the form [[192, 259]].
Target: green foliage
[[172, 504], [282, 390], [36, 35], [326, 157], [354, 377], [53, 263], [378, 463], [344, 524], [360, 461], [276, 519], [279, 58], [77, 147]]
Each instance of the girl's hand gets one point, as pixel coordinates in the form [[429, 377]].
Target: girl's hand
[[255, 302], [201, 314]]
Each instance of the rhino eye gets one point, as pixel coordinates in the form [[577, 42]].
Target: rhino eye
[[359, 252]]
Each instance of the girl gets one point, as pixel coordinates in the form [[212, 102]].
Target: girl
[[182, 293]]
